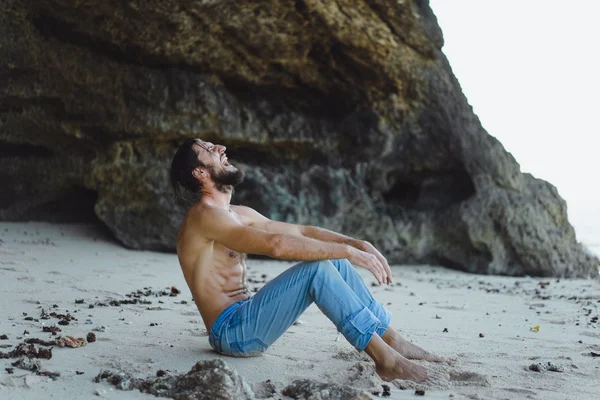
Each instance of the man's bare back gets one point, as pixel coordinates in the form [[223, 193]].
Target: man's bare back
[[215, 274]]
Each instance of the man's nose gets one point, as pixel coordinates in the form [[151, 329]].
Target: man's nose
[[221, 149]]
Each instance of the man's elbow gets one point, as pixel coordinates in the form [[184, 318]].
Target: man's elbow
[[275, 246], [306, 230]]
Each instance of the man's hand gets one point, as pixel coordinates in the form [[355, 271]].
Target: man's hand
[[369, 248], [371, 263]]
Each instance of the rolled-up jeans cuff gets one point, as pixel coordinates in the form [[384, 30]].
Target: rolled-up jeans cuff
[[383, 315], [359, 328]]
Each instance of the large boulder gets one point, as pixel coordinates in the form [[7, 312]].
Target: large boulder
[[343, 114]]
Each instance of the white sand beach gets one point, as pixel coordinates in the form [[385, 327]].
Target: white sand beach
[[485, 322]]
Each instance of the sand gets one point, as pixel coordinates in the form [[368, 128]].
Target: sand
[[486, 322]]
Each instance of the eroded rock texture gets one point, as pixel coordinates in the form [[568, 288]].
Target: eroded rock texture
[[207, 380], [215, 380], [345, 114], [306, 389]]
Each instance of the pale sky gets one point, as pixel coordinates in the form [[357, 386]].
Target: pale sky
[[531, 71]]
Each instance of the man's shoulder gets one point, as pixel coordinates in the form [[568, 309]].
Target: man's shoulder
[[247, 213], [200, 210], [206, 216], [241, 209], [197, 219]]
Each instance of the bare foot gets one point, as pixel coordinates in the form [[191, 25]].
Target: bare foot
[[409, 350], [401, 368]]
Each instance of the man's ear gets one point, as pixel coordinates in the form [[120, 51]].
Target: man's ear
[[197, 172]]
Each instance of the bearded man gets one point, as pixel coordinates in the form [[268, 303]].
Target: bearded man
[[212, 243]]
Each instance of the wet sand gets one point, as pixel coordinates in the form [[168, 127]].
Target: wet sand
[[487, 323]]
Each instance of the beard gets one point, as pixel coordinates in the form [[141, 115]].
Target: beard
[[226, 180]]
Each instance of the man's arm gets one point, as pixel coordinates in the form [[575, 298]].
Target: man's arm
[[219, 225], [261, 222], [313, 232], [329, 236], [326, 235]]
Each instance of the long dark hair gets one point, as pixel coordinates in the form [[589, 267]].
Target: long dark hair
[[186, 187]]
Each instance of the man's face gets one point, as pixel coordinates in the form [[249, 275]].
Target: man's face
[[225, 175]]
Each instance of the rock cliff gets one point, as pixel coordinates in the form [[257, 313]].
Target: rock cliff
[[344, 114]]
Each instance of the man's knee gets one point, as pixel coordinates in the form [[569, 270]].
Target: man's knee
[[322, 267], [342, 264]]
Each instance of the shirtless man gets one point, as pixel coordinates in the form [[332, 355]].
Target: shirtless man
[[212, 243]]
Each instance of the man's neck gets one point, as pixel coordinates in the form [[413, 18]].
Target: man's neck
[[216, 198]]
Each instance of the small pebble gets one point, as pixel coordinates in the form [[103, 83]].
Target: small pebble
[[554, 367], [420, 392], [386, 390], [537, 367], [445, 330]]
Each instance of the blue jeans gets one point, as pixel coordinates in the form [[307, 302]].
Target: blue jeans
[[248, 327]]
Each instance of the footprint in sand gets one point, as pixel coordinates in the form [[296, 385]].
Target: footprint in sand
[[521, 391], [446, 378], [351, 355], [360, 375], [462, 378], [190, 313]]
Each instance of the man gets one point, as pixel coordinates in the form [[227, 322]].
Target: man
[[212, 243]]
